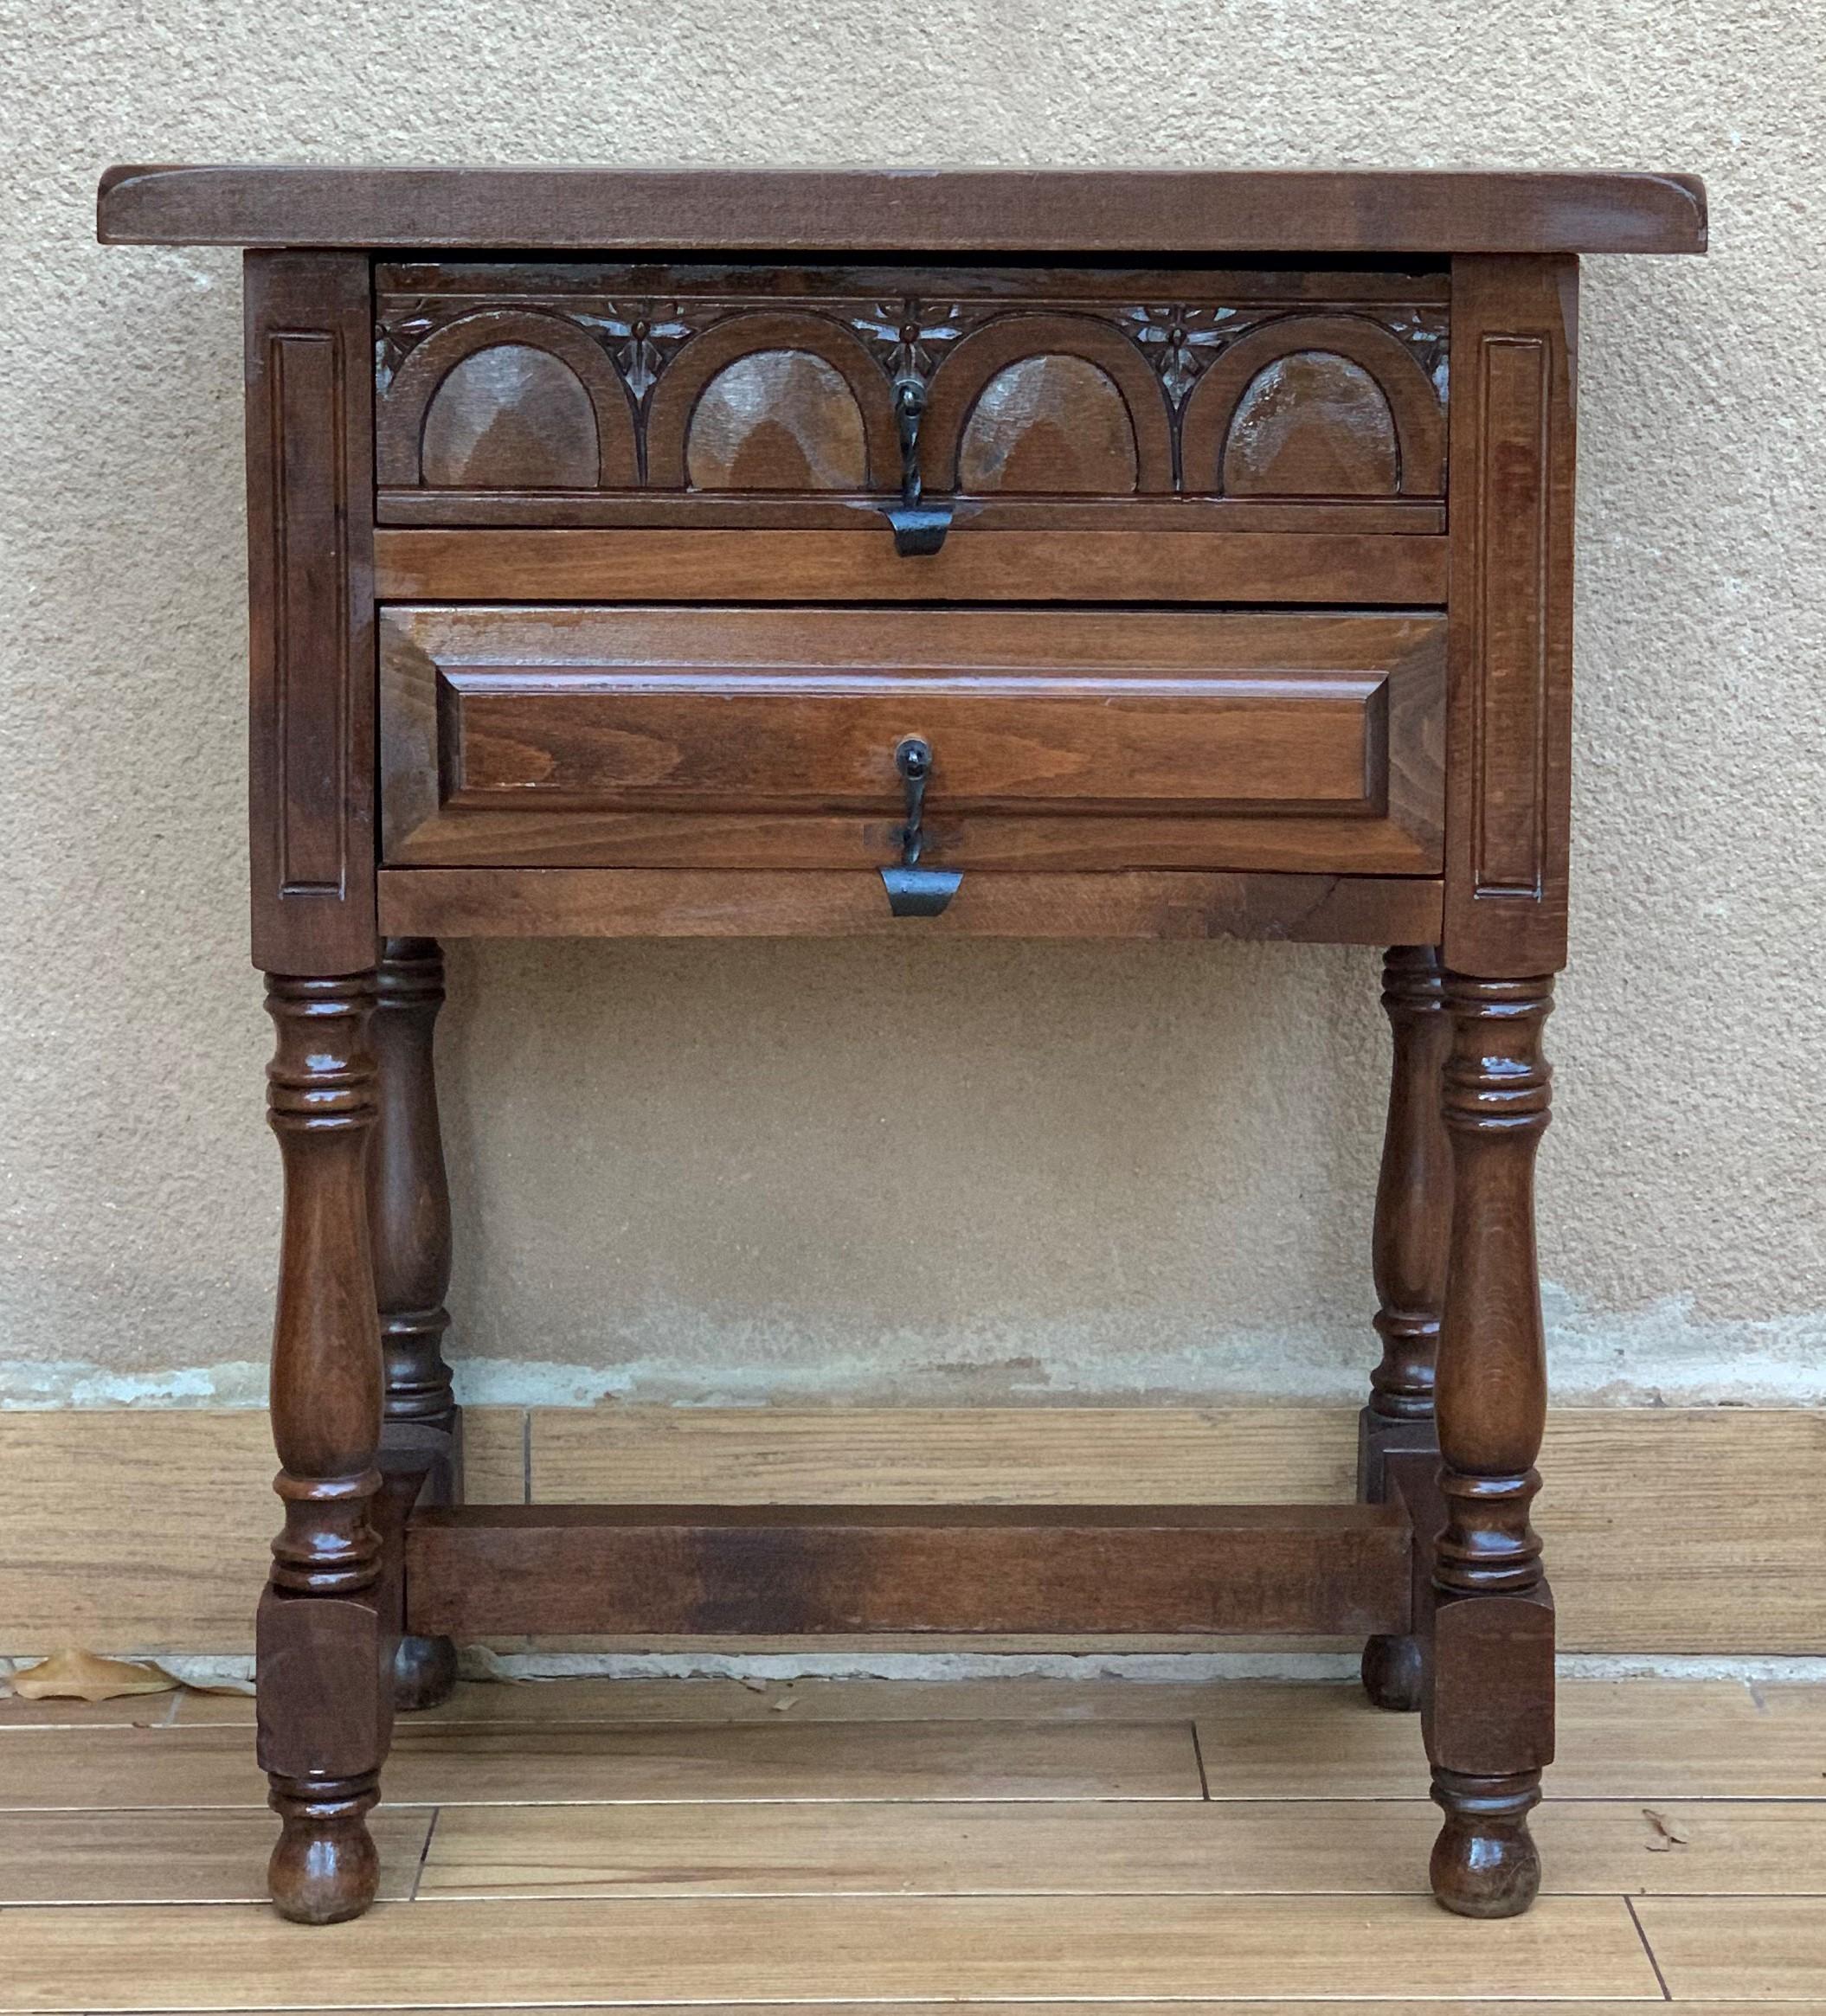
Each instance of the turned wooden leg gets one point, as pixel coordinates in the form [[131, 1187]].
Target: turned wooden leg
[[1398, 1449], [408, 1211], [326, 1649], [1489, 1713]]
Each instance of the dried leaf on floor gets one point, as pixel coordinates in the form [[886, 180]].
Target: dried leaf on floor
[[1664, 1834], [74, 1675]]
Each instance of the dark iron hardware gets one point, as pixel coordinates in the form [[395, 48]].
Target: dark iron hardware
[[918, 527], [914, 891]]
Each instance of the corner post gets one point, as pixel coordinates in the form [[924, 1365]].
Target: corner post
[[324, 1640], [408, 1210], [328, 1619], [1489, 1713], [1488, 1717], [1398, 1448]]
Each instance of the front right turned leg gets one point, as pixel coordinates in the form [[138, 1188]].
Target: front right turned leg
[[325, 1643]]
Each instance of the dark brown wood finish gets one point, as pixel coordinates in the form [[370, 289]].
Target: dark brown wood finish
[[1412, 1226], [807, 1570], [642, 902], [326, 1641], [655, 738], [1252, 618], [1488, 1711], [513, 394], [409, 288], [1386, 570], [759, 511], [408, 1215], [978, 211], [310, 585], [1510, 754], [1413, 1192]]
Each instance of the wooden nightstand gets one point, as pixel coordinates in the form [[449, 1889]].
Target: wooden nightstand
[[996, 554]]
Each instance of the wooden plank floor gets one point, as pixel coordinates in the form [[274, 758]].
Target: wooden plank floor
[[831, 1848]]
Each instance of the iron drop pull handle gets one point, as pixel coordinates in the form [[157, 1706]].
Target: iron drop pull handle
[[918, 527], [914, 891]]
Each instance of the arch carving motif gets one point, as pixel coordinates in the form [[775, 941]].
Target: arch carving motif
[[1211, 408], [968, 370], [706, 356], [400, 433]]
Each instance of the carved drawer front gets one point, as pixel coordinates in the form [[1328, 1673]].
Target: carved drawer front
[[1129, 404], [768, 738]]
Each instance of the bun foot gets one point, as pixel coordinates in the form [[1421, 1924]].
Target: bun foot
[[424, 1672], [1394, 1672], [325, 1867], [1485, 1864]]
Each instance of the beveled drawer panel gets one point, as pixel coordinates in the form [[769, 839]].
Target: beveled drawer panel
[[767, 738]]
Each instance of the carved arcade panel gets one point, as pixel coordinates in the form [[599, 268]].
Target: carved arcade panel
[[513, 392]]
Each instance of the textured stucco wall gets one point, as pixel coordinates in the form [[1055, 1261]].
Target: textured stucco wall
[[890, 1169]]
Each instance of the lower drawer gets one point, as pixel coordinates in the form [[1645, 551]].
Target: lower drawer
[[768, 738]]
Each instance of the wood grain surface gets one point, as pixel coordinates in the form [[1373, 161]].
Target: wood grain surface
[[818, 1950], [1368, 569], [184, 1496], [765, 738], [474, 1571], [878, 210], [738, 903], [1684, 1839]]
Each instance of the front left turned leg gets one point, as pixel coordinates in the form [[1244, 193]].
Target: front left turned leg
[[1489, 1714], [409, 1211], [325, 1642]]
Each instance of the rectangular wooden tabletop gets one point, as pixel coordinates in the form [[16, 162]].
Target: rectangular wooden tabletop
[[905, 209]]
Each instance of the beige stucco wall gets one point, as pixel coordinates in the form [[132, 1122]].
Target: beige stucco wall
[[890, 1169]]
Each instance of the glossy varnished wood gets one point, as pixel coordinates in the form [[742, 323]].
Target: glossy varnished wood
[[325, 1642], [476, 1572], [766, 738], [759, 511], [309, 447], [874, 210], [1488, 1707], [1510, 747], [1161, 468], [421, 285], [679, 394], [642, 903], [1398, 1449], [1413, 1189], [409, 1216], [1386, 570]]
